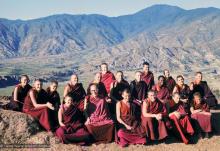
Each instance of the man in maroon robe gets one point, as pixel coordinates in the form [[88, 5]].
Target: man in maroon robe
[[147, 76], [169, 81]]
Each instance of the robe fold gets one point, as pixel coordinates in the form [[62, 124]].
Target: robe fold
[[148, 79], [107, 79], [170, 84], [163, 93]]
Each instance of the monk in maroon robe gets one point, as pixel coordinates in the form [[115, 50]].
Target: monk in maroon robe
[[206, 93], [169, 81], [147, 76], [72, 129], [180, 118], [98, 123], [37, 105], [130, 130], [76, 91], [101, 87], [201, 116], [154, 117], [106, 77], [162, 91], [18, 95]]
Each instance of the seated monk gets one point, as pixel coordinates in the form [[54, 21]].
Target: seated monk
[[154, 117], [101, 87], [106, 77], [161, 90], [169, 81], [180, 119], [71, 128], [37, 105], [147, 76], [18, 95], [54, 99], [98, 123], [130, 130], [119, 85], [184, 91], [76, 91], [204, 90], [201, 116]]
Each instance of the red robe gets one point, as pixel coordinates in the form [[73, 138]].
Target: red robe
[[42, 114], [155, 129], [148, 79], [135, 136], [162, 93], [99, 123], [74, 130], [170, 84], [183, 125], [107, 79]]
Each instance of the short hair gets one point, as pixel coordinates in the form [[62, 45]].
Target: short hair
[[138, 72], [161, 76], [120, 72], [104, 64], [38, 79], [165, 70], [126, 91], [68, 95], [151, 91], [54, 82], [24, 76], [198, 73], [146, 63], [197, 94], [179, 76]]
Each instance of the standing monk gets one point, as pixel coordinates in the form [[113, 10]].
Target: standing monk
[[106, 77], [169, 81], [147, 76], [18, 95], [76, 91]]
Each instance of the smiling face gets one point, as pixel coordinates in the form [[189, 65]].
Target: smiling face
[[161, 81], [24, 81], [176, 98], [180, 81], [119, 76], [74, 79], [167, 73], [126, 96], [68, 101], [104, 68], [97, 77], [146, 68], [151, 96], [93, 90], [198, 77], [138, 76], [197, 99], [53, 87], [38, 85]]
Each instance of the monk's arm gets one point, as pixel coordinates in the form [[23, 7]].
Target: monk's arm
[[194, 111], [33, 99], [175, 90], [118, 114], [65, 92], [144, 111], [16, 94], [60, 117]]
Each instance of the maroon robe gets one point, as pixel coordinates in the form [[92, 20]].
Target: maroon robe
[[102, 92], [170, 84], [135, 136], [42, 114], [99, 123], [107, 79], [21, 94], [74, 130], [201, 121], [183, 125], [206, 93], [148, 79], [155, 129], [162, 93]]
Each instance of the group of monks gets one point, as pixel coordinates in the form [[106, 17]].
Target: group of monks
[[111, 109]]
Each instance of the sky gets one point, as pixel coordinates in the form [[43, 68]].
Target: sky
[[31, 9]]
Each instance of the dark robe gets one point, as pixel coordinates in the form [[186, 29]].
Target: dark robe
[[156, 129], [202, 122], [41, 114], [135, 136], [99, 123], [101, 89], [170, 84], [78, 93], [206, 93], [107, 79], [162, 93], [182, 126], [21, 94], [74, 130], [148, 79]]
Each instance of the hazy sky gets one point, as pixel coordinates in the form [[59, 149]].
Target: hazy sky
[[29, 9]]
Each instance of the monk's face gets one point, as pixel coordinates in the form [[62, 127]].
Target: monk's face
[[176, 98], [68, 101], [146, 68], [119, 76], [98, 77], [161, 81], [104, 69], [93, 90], [53, 87], [74, 79], [126, 96], [24, 81], [138, 76], [197, 99], [151, 96], [38, 85], [180, 81], [198, 77], [167, 73]]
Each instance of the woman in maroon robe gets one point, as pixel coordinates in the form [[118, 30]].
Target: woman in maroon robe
[[204, 90], [180, 118], [106, 77], [130, 130], [201, 116], [147, 76], [71, 128], [18, 95], [98, 123], [101, 87], [169, 81], [161, 90], [36, 104], [154, 117], [76, 91]]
